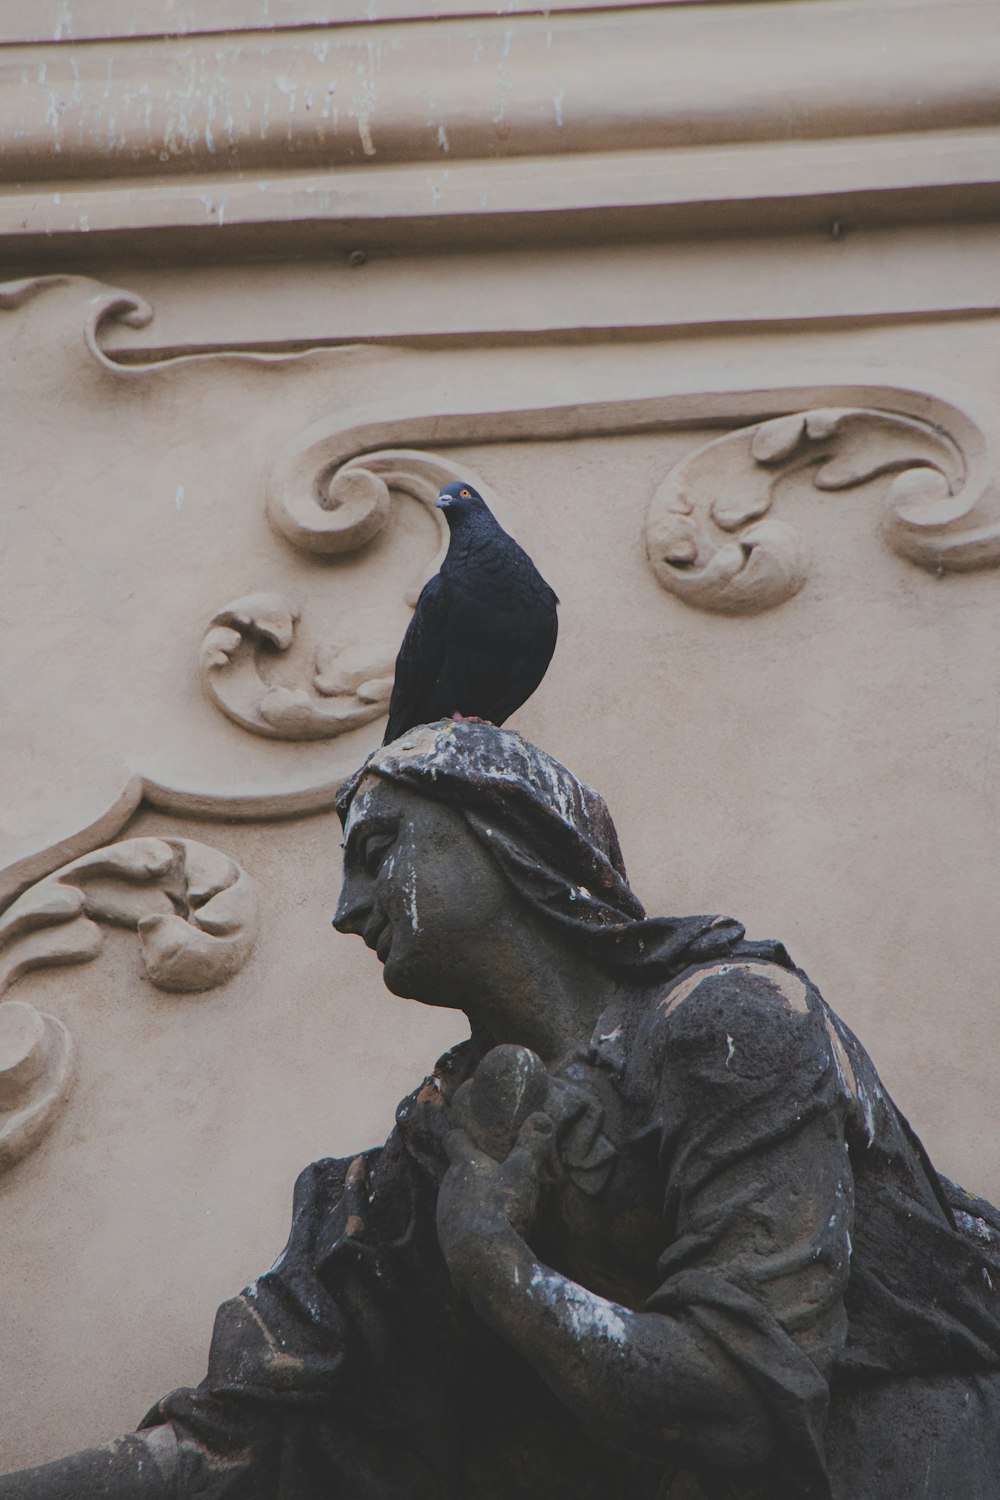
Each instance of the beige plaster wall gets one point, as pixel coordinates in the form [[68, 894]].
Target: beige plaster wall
[[799, 727]]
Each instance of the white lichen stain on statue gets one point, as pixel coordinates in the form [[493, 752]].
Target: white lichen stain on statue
[[358, 812], [588, 1313], [409, 890]]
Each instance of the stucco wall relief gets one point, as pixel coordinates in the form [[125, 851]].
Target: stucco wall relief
[[326, 505], [342, 688], [326, 508], [709, 536], [712, 542], [37, 1064], [312, 515], [104, 305], [194, 912], [576, 323]]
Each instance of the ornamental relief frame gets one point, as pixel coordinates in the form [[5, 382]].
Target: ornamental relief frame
[[216, 990], [717, 535], [194, 911]]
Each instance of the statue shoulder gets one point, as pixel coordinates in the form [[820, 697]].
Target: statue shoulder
[[731, 1027], [731, 998], [768, 984]]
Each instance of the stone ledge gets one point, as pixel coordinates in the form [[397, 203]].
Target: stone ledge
[[766, 116], [101, 20], [825, 186]]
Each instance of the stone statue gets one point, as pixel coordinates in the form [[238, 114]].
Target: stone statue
[[655, 1231]]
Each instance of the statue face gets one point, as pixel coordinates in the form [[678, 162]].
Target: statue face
[[423, 894]]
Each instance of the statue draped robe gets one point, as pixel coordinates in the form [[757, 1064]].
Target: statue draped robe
[[731, 1159]]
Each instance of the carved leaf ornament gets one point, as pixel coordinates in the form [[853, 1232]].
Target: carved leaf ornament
[[712, 541], [327, 508], [711, 538], [343, 688], [194, 910], [721, 531]]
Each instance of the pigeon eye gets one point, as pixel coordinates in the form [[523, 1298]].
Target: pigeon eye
[[465, 494]]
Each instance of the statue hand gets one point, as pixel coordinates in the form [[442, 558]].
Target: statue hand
[[502, 1156], [509, 1084], [481, 1199]]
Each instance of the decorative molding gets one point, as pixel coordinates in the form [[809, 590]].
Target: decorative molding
[[329, 489], [37, 1065], [793, 187], [314, 135], [347, 686], [112, 20], [106, 305], [344, 96], [194, 910], [709, 537], [362, 326], [711, 541], [327, 501]]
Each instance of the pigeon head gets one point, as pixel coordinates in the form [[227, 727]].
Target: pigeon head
[[459, 501]]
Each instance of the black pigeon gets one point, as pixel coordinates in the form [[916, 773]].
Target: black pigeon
[[483, 631]]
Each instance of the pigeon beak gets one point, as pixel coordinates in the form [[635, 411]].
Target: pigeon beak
[[442, 502]]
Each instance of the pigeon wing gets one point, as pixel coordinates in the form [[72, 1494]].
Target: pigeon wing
[[419, 662], [532, 644]]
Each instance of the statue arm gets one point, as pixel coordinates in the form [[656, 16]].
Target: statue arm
[[211, 1440], [141, 1466], [727, 1363], [646, 1382]]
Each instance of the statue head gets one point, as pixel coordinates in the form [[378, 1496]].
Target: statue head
[[455, 830]]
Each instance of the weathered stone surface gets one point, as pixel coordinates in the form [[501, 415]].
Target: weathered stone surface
[[694, 234], [656, 1229]]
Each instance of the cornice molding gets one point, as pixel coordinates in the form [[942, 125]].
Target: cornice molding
[[100, 20], [497, 88], [457, 131]]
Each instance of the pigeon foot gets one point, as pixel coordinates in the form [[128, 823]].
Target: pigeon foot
[[469, 719]]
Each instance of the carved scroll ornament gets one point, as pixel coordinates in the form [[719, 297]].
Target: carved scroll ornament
[[37, 1064], [710, 537], [194, 910], [327, 508], [106, 305], [330, 494], [343, 688], [712, 542]]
